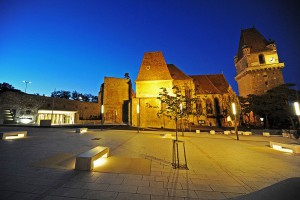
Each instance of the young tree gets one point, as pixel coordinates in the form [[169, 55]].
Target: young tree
[[174, 106]]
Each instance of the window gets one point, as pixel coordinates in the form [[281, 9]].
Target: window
[[261, 59], [199, 107], [209, 107]]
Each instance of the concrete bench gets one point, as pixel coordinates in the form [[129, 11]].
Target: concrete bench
[[212, 132], [81, 130], [266, 134], [247, 133], [12, 135], [292, 148], [226, 132], [166, 135], [86, 160]]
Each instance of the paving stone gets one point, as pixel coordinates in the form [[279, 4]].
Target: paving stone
[[136, 182], [130, 196], [95, 186], [152, 191], [209, 195], [69, 192], [122, 188], [92, 194], [182, 193]]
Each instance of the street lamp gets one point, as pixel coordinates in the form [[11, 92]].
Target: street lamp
[[102, 113], [181, 119], [138, 116], [235, 125], [26, 82], [297, 110]]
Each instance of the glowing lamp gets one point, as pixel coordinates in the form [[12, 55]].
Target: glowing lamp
[[100, 161], [11, 137], [297, 110], [233, 109], [137, 108], [102, 109]]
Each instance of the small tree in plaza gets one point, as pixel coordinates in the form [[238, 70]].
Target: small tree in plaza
[[175, 106]]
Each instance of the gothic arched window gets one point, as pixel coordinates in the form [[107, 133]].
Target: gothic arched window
[[261, 59], [209, 108]]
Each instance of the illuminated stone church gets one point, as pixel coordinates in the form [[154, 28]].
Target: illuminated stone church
[[121, 104]]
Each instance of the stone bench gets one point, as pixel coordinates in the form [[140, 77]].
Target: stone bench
[[227, 132], [292, 148], [247, 133], [166, 135], [86, 160], [12, 135], [266, 134], [212, 132], [81, 130], [197, 131]]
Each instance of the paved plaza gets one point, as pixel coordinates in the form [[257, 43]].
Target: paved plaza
[[41, 166]]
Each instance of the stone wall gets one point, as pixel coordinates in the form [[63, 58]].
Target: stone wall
[[27, 105], [116, 94]]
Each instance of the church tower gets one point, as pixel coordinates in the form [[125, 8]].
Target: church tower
[[258, 68]]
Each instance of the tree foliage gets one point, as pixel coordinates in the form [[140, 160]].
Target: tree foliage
[[274, 106], [74, 96]]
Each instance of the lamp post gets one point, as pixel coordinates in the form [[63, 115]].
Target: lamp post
[[138, 117], [235, 125], [26, 82], [181, 119], [102, 113], [297, 110]]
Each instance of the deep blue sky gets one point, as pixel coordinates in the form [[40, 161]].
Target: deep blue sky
[[72, 44]]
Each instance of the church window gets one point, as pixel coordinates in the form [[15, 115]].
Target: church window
[[261, 59], [209, 107], [199, 107]]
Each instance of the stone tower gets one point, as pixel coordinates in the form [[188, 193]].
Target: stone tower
[[257, 65]]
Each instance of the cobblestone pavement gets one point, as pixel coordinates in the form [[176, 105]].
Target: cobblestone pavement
[[220, 167]]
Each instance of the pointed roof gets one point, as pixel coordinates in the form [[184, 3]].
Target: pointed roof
[[210, 84], [253, 39], [176, 73], [153, 67]]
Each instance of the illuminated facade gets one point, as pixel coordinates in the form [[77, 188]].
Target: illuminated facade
[[21, 108], [213, 92], [258, 68]]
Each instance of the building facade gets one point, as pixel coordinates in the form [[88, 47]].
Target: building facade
[[212, 91], [258, 68], [115, 97], [20, 108]]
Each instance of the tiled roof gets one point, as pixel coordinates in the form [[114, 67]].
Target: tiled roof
[[210, 84], [252, 39], [154, 67], [176, 73]]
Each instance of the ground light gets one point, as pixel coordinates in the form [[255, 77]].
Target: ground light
[[100, 161], [11, 137], [280, 148]]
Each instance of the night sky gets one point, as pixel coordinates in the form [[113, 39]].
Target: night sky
[[72, 44]]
